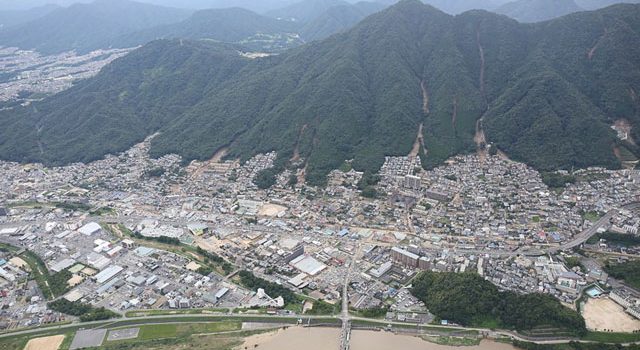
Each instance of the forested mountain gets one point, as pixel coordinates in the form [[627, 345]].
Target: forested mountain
[[581, 75], [458, 6], [305, 11], [121, 23], [228, 25], [86, 27], [598, 4], [259, 32], [259, 6], [337, 19], [139, 94], [13, 17], [538, 10], [546, 94], [522, 10]]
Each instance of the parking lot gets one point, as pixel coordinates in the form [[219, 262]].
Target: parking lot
[[88, 338], [123, 334]]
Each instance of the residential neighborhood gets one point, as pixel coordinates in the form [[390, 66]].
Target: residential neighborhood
[[106, 224]]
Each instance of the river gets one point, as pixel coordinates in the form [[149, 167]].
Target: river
[[298, 338]]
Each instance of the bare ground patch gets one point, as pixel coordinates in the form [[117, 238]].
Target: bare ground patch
[[45, 343], [604, 313], [271, 210]]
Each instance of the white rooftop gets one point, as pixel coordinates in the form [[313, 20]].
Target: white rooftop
[[90, 228], [9, 231], [308, 265], [108, 273], [63, 264], [298, 280], [289, 243]]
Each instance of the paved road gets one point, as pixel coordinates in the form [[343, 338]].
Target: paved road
[[586, 234], [345, 334], [591, 231]]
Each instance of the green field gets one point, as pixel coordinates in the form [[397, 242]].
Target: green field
[[11, 343], [605, 337], [591, 216], [208, 335], [452, 341], [194, 342], [448, 330], [181, 330], [158, 331], [195, 335]]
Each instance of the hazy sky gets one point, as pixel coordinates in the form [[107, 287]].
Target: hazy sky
[[256, 5], [197, 4], [265, 5]]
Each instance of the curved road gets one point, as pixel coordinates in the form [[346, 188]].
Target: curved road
[[591, 231]]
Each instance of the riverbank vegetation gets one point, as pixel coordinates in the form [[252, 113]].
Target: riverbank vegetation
[[86, 312], [469, 300], [628, 271]]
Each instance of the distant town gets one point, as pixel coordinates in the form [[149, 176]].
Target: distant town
[[134, 234], [28, 75]]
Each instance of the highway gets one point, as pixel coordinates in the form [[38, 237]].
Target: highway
[[586, 234], [591, 231]]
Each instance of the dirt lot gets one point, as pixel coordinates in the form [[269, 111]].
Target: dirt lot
[[45, 343], [271, 210], [604, 313], [19, 262]]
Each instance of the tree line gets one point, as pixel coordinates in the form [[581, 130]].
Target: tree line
[[470, 300]]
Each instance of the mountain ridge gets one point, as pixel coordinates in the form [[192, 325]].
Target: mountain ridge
[[305, 11], [540, 92], [87, 27], [229, 25], [99, 25], [11, 18], [530, 11]]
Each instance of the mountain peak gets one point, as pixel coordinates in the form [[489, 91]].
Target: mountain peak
[[413, 7], [408, 5]]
